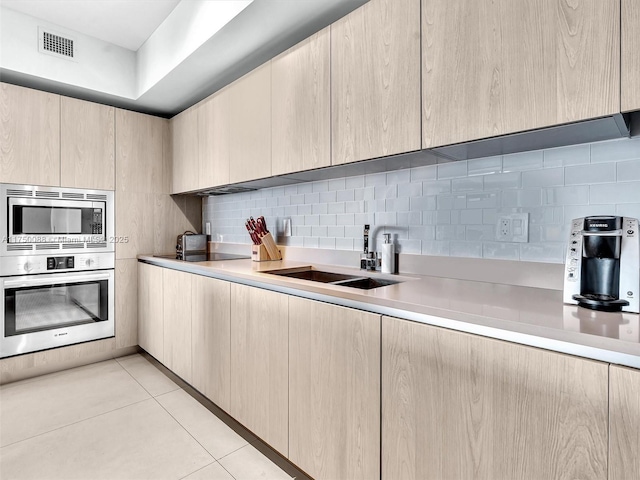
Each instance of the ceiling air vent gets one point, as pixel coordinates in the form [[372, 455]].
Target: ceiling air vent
[[54, 43]]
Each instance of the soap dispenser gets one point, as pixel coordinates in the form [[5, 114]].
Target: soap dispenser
[[388, 255]]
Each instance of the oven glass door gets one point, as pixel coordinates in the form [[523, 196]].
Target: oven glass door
[[50, 310], [39, 221], [38, 308]]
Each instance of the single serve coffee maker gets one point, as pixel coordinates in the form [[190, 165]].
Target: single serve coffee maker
[[602, 270]]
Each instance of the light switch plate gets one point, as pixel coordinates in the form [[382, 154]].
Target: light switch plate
[[513, 227]]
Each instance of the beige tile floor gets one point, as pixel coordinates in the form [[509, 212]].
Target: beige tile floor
[[120, 419]]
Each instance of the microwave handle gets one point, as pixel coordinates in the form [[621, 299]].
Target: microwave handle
[[49, 281]]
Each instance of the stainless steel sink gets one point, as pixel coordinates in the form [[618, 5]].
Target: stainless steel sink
[[332, 278]]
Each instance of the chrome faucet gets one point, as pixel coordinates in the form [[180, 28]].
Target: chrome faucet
[[368, 260]]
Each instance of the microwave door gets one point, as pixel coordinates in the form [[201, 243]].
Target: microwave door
[[66, 221]]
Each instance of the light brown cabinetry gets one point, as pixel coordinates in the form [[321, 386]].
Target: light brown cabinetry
[[184, 134], [624, 418], [213, 140], [495, 67], [460, 406], [211, 339], [29, 136], [334, 390], [87, 143], [176, 310], [259, 363], [375, 81], [301, 102], [150, 310], [630, 64], [250, 126]]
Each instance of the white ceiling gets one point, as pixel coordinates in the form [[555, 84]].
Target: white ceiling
[[127, 23], [141, 55]]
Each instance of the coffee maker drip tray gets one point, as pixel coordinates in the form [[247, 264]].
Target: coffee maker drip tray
[[605, 303]]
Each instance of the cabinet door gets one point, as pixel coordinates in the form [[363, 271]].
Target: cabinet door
[[176, 288], [150, 310], [259, 363], [375, 81], [250, 126], [213, 140], [29, 136], [184, 135], [126, 303], [87, 143], [300, 118], [460, 406], [491, 67], [334, 390], [630, 85], [211, 338], [624, 417]]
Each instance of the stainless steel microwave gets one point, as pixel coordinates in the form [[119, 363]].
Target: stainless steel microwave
[[36, 219]]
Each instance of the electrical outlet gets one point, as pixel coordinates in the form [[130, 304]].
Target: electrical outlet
[[513, 228]]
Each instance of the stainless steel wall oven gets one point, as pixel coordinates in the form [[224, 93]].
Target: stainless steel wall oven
[[57, 262]]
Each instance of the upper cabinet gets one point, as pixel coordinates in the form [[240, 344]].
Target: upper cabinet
[[29, 136], [184, 136], [630, 84], [300, 116], [87, 143], [375, 81], [250, 126], [492, 67], [213, 140]]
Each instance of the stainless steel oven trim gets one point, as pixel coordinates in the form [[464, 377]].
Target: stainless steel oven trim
[[107, 243], [32, 342]]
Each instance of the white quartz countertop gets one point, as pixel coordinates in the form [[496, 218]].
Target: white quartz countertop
[[529, 316]]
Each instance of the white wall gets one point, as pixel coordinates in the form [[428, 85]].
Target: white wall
[[449, 209]]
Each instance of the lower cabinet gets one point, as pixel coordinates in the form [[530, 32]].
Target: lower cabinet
[[624, 404], [334, 390], [211, 339], [150, 314], [259, 363], [460, 406], [176, 309]]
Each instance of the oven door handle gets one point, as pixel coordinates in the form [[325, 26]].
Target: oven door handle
[[50, 281]]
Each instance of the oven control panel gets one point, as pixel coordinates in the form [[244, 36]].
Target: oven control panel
[[60, 263], [34, 264]]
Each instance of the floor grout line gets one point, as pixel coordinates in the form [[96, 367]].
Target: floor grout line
[[76, 422]]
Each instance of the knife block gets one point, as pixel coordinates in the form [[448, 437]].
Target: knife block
[[259, 253]]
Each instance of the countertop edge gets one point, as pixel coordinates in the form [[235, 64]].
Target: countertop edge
[[514, 332]]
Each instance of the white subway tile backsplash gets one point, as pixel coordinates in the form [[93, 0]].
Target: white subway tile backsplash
[[399, 176], [337, 184], [628, 171], [468, 184], [501, 251], [450, 208], [517, 162], [452, 170], [484, 166], [436, 248], [397, 204], [588, 174], [430, 172], [501, 181], [336, 207], [436, 187], [623, 192], [466, 249], [573, 195], [564, 156], [615, 150], [386, 191], [351, 183], [548, 177]]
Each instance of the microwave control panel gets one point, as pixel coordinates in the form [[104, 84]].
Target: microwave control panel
[[96, 225]]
